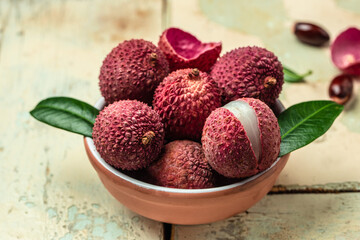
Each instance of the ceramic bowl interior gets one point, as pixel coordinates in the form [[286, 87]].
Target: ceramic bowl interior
[[183, 206]]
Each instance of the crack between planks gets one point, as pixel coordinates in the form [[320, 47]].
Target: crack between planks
[[345, 187], [167, 231]]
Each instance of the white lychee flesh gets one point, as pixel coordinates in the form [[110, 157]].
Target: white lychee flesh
[[247, 116]]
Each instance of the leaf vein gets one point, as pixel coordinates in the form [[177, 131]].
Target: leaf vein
[[66, 111], [304, 120]]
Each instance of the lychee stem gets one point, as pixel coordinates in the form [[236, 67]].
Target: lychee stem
[[194, 73], [269, 82], [148, 136], [153, 59]]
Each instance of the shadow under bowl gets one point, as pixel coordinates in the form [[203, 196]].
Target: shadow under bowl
[[184, 206]]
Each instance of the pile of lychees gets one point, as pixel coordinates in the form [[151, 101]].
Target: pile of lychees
[[186, 116]]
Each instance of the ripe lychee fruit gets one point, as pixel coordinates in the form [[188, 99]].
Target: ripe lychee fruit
[[184, 100], [132, 70], [241, 138], [184, 50], [182, 165], [249, 72], [128, 134]]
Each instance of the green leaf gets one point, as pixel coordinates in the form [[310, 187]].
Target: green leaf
[[291, 76], [302, 123], [66, 113]]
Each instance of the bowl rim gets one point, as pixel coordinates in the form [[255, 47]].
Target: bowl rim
[[148, 186]]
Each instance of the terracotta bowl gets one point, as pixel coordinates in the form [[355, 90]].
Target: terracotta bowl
[[184, 206]]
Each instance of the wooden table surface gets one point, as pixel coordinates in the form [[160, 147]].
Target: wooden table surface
[[48, 189]]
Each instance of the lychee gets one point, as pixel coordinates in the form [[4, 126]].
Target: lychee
[[241, 138], [182, 165], [249, 72], [184, 50], [132, 70], [184, 100], [128, 134]]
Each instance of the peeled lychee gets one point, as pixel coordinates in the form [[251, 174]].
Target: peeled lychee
[[132, 70], [184, 50], [241, 138], [249, 72], [184, 100], [128, 134], [182, 165]]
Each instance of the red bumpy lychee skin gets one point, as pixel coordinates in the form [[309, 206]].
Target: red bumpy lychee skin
[[182, 165], [184, 100], [184, 50], [132, 70], [128, 134], [249, 72], [228, 147]]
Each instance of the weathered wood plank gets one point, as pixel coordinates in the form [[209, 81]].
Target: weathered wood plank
[[48, 189], [289, 216]]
